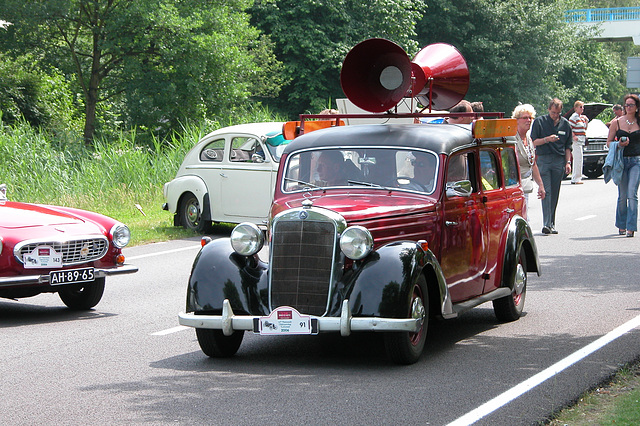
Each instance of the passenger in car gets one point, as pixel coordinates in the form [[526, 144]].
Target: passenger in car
[[331, 168]]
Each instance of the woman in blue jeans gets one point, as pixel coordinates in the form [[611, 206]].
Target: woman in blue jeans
[[626, 130]]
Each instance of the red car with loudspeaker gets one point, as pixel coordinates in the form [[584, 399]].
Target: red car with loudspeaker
[[376, 227]]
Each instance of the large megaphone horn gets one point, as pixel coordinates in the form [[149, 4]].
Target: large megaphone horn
[[441, 76], [377, 74]]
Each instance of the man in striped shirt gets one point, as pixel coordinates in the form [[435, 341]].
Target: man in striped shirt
[[578, 122]]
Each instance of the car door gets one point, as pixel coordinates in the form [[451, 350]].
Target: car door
[[463, 254], [497, 210], [247, 180]]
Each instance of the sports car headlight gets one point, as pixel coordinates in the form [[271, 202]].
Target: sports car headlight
[[356, 242], [247, 239], [120, 235]]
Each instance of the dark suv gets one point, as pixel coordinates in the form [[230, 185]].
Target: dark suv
[[595, 150]]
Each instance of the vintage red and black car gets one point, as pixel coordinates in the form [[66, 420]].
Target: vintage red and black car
[[378, 227], [52, 249]]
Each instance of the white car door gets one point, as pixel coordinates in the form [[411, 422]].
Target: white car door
[[247, 182]]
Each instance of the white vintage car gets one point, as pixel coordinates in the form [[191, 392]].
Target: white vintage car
[[227, 177]]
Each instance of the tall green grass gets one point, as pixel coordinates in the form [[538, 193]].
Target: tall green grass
[[121, 177]]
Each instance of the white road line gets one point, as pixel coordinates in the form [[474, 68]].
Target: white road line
[[591, 216], [159, 253], [518, 390], [170, 330]]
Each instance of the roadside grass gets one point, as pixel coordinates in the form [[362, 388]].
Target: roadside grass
[[616, 402]]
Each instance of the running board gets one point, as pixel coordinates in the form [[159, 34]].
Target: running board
[[498, 293]]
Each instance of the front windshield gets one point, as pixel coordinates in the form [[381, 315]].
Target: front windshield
[[404, 169]]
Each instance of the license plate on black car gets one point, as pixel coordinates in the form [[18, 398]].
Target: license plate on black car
[[71, 276]]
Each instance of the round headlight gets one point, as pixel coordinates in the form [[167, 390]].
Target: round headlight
[[247, 239], [356, 242], [120, 235]]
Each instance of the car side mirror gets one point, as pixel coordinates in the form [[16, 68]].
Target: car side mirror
[[461, 188], [257, 158]]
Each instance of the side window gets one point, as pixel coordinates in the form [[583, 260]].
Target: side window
[[458, 168], [213, 151], [242, 148], [509, 167], [489, 171]]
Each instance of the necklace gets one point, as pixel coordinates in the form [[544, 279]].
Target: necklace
[[631, 123]]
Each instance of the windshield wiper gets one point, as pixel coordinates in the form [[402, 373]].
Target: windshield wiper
[[301, 182]]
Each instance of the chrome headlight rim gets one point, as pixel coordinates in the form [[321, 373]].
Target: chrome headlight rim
[[120, 235], [356, 242], [247, 239]]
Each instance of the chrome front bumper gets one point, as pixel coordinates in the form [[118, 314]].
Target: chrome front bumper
[[44, 278], [228, 322]]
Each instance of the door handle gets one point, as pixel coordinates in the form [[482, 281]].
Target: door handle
[[450, 223], [223, 175], [509, 210]]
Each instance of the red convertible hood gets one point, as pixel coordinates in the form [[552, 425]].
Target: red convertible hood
[[20, 215], [355, 207]]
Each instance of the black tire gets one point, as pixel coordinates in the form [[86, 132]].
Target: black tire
[[509, 308], [190, 213], [593, 174], [405, 347], [83, 296], [216, 345]]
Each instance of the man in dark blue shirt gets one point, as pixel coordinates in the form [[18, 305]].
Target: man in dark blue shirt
[[552, 136]]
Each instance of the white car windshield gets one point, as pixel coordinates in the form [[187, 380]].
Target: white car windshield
[[404, 169]]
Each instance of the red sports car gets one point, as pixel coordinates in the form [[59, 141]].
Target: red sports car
[[50, 249]]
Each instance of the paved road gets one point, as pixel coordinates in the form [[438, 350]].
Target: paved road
[[128, 362]]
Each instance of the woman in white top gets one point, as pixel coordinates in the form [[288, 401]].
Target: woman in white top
[[527, 153]]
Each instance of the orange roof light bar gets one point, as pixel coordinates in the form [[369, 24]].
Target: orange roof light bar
[[501, 127], [292, 129]]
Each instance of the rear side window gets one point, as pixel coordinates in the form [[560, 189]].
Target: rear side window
[[510, 167], [213, 151], [489, 171]]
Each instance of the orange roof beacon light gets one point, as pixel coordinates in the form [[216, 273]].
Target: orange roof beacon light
[[501, 127]]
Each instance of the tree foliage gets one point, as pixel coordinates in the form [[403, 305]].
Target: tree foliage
[[157, 62], [312, 38], [522, 52]]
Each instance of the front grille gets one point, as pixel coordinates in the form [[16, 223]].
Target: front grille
[[596, 146], [73, 251], [302, 253]]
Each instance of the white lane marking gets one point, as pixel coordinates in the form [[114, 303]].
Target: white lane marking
[[160, 253], [518, 390], [591, 216], [170, 330]]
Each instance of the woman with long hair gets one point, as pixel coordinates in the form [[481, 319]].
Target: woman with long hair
[[626, 131]]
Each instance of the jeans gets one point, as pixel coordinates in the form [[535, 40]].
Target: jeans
[[551, 169], [627, 209]]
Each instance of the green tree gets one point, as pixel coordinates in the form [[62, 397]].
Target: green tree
[[313, 37], [157, 61], [520, 52]]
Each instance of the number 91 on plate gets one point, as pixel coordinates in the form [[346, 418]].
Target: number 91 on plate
[[286, 320]]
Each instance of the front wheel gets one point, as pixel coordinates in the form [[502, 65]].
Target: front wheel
[[405, 347], [83, 296], [216, 345], [509, 308], [190, 214]]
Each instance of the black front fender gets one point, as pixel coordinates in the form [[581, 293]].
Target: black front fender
[[519, 236], [219, 273], [381, 285]]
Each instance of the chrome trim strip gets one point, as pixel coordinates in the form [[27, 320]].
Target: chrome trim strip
[[44, 278], [228, 322]]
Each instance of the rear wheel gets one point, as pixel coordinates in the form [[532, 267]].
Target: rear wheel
[[216, 345], [190, 213], [405, 347], [509, 308], [83, 296]]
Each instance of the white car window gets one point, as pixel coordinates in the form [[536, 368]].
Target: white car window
[[213, 151]]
